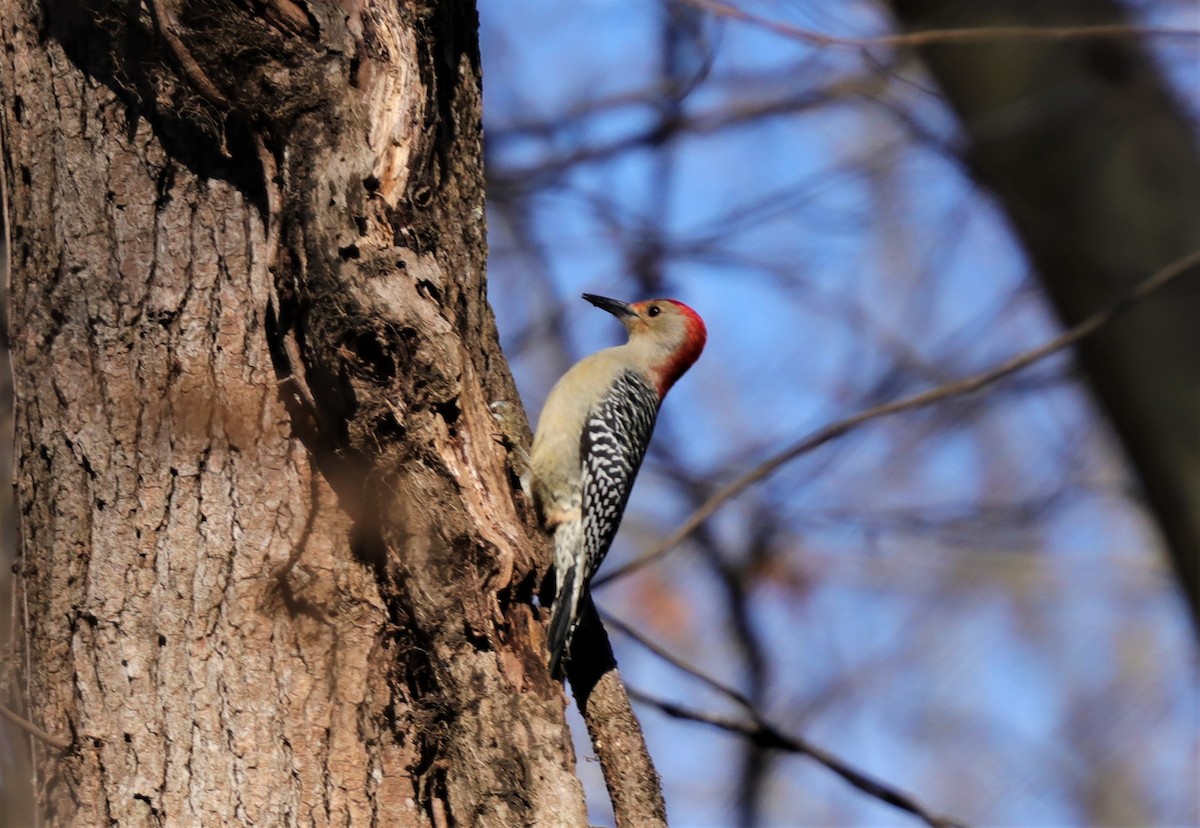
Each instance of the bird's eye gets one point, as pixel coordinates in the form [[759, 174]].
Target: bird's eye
[[655, 310]]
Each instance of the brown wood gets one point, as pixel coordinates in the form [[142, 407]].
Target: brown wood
[[634, 787], [274, 568]]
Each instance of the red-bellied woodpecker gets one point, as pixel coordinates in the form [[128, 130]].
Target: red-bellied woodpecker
[[591, 437]]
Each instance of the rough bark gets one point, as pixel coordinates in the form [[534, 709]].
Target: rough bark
[[633, 783], [1099, 172], [273, 566]]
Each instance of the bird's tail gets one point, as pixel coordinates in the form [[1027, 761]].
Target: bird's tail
[[568, 590]]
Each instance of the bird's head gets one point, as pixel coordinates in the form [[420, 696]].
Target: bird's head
[[666, 333]]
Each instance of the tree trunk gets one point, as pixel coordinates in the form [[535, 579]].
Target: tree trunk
[[274, 567], [1099, 172]]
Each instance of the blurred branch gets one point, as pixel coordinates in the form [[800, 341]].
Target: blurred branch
[[968, 385], [669, 126], [982, 34], [766, 735], [678, 663], [734, 574], [33, 730], [1094, 161]]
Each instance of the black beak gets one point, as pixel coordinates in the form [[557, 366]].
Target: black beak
[[616, 307]]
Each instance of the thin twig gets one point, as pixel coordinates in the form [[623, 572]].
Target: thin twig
[[675, 661], [967, 35], [766, 735], [856, 778], [33, 730], [967, 385]]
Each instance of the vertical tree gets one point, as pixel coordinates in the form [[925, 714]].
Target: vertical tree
[[272, 569]]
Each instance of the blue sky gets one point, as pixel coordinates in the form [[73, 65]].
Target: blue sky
[[967, 602]]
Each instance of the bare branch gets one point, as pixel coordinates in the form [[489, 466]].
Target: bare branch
[[675, 661], [633, 783], [967, 385], [666, 128], [761, 733], [33, 730], [970, 35], [759, 726]]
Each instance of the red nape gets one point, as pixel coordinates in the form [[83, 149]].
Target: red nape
[[688, 353]]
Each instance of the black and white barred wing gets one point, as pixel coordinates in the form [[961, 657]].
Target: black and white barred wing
[[614, 442], [611, 449]]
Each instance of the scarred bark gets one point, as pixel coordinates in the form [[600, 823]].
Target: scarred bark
[[274, 568]]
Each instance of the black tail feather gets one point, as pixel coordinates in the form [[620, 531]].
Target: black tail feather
[[562, 618]]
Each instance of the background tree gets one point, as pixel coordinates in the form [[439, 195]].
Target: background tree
[[1097, 167]]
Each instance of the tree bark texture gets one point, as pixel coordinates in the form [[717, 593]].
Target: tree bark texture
[[273, 566], [1099, 172], [634, 787]]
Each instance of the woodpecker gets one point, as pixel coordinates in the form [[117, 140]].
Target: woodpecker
[[590, 440]]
